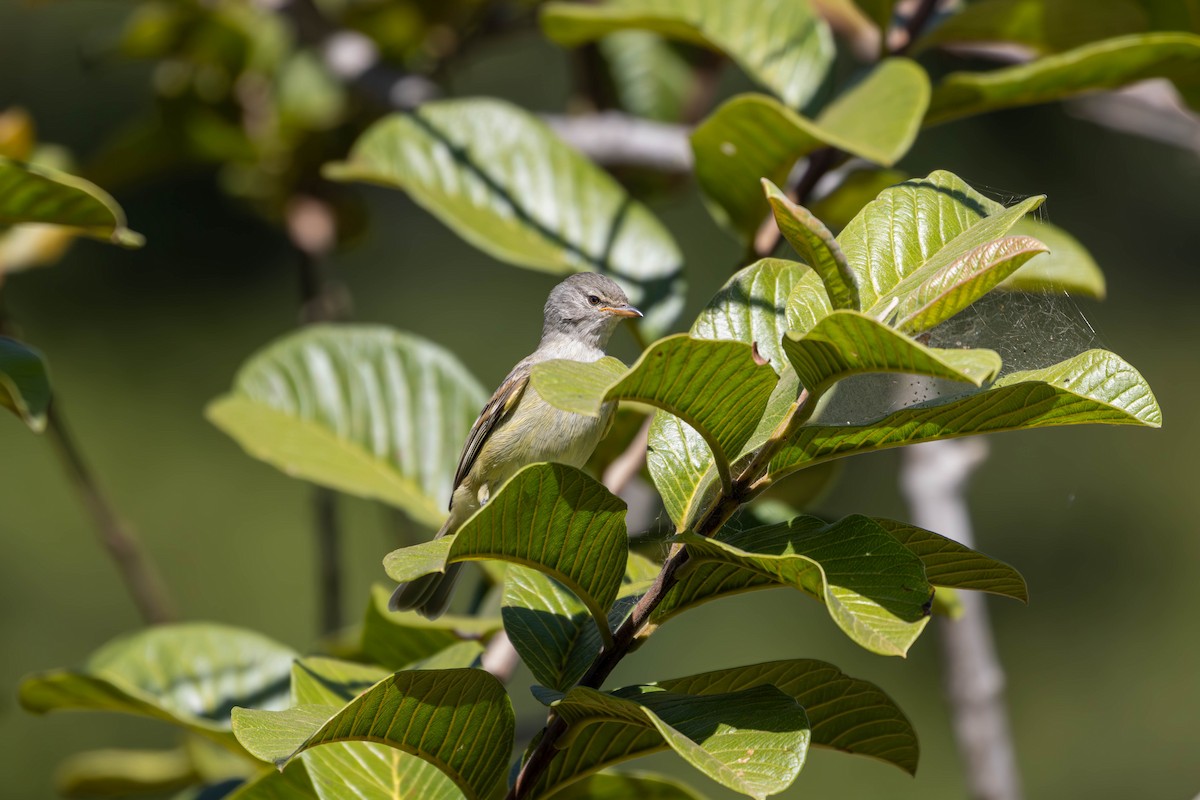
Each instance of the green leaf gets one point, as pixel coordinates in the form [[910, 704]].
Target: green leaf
[[627, 786], [753, 741], [114, 772], [459, 720], [188, 674], [651, 80], [1107, 64], [849, 343], [917, 229], [956, 566], [858, 187], [375, 771], [749, 308], [504, 182], [40, 194], [753, 136], [716, 387], [1068, 267], [809, 237], [551, 517], [1044, 27], [1094, 387], [359, 408], [846, 714], [873, 587], [293, 783], [781, 44], [397, 640], [24, 384], [880, 12]]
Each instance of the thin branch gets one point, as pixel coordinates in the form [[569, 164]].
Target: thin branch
[[626, 466], [138, 572], [500, 657], [613, 138], [934, 481]]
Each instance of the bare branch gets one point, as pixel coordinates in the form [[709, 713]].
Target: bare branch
[[500, 657], [612, 138]]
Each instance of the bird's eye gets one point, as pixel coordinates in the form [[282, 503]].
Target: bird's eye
[[593, 300]]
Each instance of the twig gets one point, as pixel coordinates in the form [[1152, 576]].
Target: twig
[[626, 466], [137, 570], [612, 138], [500, 658], [934, 480]]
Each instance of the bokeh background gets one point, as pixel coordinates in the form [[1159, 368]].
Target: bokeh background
[[1103, 665]]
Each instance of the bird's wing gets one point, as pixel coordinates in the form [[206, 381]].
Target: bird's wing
[[496, 409]]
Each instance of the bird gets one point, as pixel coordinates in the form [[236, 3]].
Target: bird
[[517, 427]]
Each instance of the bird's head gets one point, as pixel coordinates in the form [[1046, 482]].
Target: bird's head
[[587, 308]]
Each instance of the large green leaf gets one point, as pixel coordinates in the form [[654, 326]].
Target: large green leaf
[[650, 79], [1093, 387], [1044, 26], [809, 237], [716, 387], [375, 771], [189, 674], [24, 385], [397, 639], [359, 408], [752, 741], [505, 183], [1107, 64], [40, 194], [753, 136], [551, 517], [857, 188], [292, 783], [846, 714], [749, 308], [782, 44], [847, 343], [956, 566], [919, 229], [459, 720], [627, 786], [1068, 267], [873, 587]]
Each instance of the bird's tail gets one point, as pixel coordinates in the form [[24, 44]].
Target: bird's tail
[[428, 595]]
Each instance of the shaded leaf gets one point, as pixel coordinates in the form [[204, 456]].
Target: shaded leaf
[[292, 783], [551, 517], [872, 586], [782, 44], [857, 188], [956, 566], [24, 384], [753, 741], [459, 720], [651, 80], [398, 639], [116, 772], [548, 626], [504, 182], [40, 194], [1107, 64], [753, 136], [715, 387], [847, 343], [359, 408], [920, 224], [627, 786], [1095, 387], [189, 674], [847, 714], [1068, 267], [880, 12]]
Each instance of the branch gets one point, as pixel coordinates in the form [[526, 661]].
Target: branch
[[934, 481], [612, 138]]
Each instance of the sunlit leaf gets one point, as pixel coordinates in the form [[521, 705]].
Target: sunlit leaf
[[24, 385], [650, 79], [782, 44], [40, 194], [1107, 64], [1094, 387], [956, 566], [857, 188], [872, 586], [752, 741], [359, 408], [753, 136], [1068, 267], [809, 237], [551, 517], [189, 674], [505, 183], [459, 720]]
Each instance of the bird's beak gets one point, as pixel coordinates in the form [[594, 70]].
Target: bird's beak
[[622, 311]]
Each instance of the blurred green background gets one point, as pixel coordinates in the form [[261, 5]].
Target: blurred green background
[[1103, 665]]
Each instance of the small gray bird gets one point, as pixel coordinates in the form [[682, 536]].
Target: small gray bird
[[517, 427]]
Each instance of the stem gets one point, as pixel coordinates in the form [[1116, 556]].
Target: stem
[[137, 570], [934, 481]]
